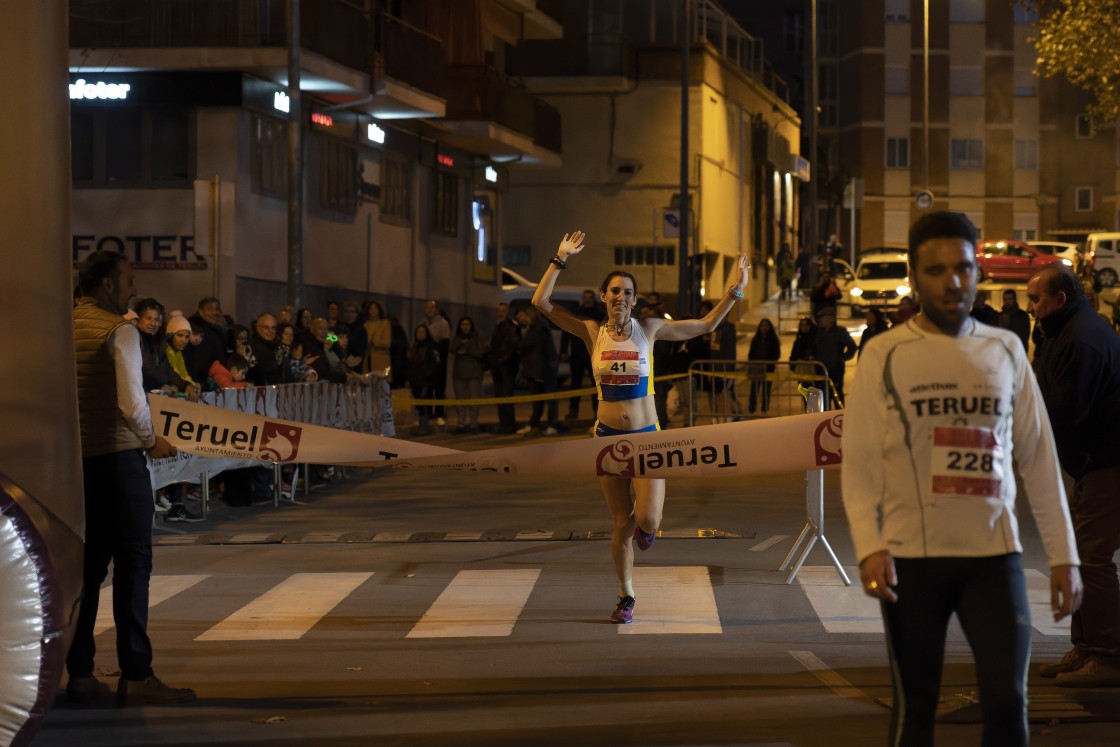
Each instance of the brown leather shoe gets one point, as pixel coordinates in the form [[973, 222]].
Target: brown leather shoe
[[151, 692], [1074, 659], [1094, 673], [88, 691]]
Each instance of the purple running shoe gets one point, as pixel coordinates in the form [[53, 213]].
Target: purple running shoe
[[644, 539], [624, 613]]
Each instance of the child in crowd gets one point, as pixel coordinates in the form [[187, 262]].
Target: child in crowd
[[232, 374]]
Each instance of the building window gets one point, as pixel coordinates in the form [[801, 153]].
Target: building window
[[1084, 199], [966, 155], [898, 153], [645, 255], [828, 28], [81, 145], [445, 211], [966, 81], [1024, 234], [1083, 127], [396, 192], [338, 176], [1026, 155], [826, 95], [1025, 82], [897, 10], [897, 80], [1024, 15], [791, 30], [516, 255], [131, 147], [268, 160], [966, 11]]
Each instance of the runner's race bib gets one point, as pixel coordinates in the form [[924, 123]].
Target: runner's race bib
[[965, 463]]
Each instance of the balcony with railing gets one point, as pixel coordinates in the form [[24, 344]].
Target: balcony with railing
[[336, 29], [372, 43], [409, 55], [650, 27], [478, 93]]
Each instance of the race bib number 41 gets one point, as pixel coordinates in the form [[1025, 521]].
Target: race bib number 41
[[966, 462]]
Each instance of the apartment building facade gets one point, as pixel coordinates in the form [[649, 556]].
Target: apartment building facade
[[1012, 151], [616, 79], [179, 114]]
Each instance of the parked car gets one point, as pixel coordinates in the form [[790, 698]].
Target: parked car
[[1103, 251], [881, 280], [1011, 260], [511, 280], [1062, 249]]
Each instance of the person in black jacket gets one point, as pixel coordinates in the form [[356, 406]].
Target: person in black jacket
[[765, 346], [157, 372], [833, 347], [315, 352], [503, 365], [268, 356], [1014, 318], [213, 344], [982, 311], [877, 324], [539, 368], [1079, 376], [423, 373]]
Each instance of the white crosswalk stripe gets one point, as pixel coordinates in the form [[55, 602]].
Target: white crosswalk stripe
[[490, 602], [160, 589], [478, 603], [841, 609], [846, 609], [673, 600], [288, 610], [1038, 592]]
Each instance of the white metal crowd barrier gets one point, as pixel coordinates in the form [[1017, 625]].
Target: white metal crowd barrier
[[723, 391], [365, 407]]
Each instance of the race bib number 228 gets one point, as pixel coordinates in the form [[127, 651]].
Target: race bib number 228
[[966, 462]]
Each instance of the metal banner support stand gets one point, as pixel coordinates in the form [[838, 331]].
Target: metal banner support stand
[[814, 508]]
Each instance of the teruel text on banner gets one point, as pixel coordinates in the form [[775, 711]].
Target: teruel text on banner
[[210, 431], [769, 446]]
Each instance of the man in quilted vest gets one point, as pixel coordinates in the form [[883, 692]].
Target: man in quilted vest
[[116, 431]]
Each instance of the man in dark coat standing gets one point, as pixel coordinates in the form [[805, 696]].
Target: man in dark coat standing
[[1014, 318], [1079, 376], [503, 365]]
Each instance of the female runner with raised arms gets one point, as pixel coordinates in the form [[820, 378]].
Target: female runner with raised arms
[[622, 364]]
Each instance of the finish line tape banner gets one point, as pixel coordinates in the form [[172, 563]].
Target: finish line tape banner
[[769, 446], [208, 431]]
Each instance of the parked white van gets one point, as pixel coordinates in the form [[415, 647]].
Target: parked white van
[[882, 279], [1103, 251]]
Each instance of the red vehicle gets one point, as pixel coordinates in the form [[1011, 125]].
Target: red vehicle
[[1010, 260]]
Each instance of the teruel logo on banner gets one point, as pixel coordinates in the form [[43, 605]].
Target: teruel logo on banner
[[826, 441], [621, 459], [278, 442]]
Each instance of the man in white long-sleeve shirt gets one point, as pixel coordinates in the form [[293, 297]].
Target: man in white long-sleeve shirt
[[939, 407], [116, 431]]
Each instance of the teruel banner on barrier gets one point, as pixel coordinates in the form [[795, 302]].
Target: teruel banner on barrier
[[768, 446], [209, 431]]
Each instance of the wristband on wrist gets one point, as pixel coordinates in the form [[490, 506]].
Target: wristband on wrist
[[560, 264], [736, 294]]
